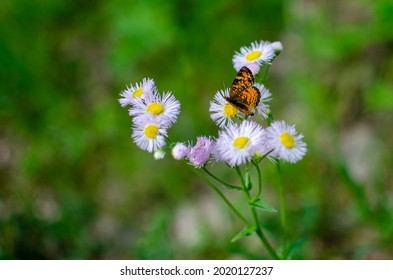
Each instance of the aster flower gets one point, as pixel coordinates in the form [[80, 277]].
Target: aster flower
[[237, 143], [253, 57], [222, 112], [149, 134], [200, 153], [180, 151], [263, 108], [285, 143], [138, 91], [164, 107]]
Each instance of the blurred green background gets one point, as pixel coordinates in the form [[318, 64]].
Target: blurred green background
[[74, 186]]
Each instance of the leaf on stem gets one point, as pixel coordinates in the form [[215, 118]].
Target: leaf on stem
[[244, 232], [293, 247], [262, 205], [232, 187]]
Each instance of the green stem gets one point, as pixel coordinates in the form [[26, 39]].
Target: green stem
[[264, 75], [228, 186], [258, 160], [220, 193], [270, 118], [240, 176], [262, 237], [259, 78], [170, 141], [248, 179], [259, 180], [258, 230], [283, 216]]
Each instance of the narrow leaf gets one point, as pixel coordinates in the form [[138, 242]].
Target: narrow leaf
[[262, 206], [229, 187], [244, 232], [292, 248]]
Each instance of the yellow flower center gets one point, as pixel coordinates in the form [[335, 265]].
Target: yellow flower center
[[241, 142], [253, 55], [137, 93], [155, 108], [151, 131], [229, 110], [287, 140]]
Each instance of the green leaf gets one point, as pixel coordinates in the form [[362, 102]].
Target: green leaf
[[293, 247], [232, 187], [262, 206], [244, 232]]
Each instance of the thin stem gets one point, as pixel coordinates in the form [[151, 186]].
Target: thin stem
[[264, 75], [283, 215], [240, 175], [259, 180], [270, 118], [170, 141], [220, 193], [248, 179], [261, 78], [262, 237], [228, 186], [259, 231]]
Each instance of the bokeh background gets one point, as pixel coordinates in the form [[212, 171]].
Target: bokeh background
[[74, 186]]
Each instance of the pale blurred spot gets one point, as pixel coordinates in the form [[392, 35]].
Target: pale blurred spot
[[47, 207], [186, 224], [204, 215], [5, 153], [105, 227], [213, 214], [359, 147]]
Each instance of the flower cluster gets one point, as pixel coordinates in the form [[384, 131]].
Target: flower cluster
[[239, 140], [247, 132], [152, 114]]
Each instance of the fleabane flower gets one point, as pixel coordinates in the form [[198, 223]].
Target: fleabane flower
[[222, 112], [200, 153], [237, 143], [164, 107], [285, 142], [180, 151], [262, 108], [149, 134], [138, 91], [254, 56]]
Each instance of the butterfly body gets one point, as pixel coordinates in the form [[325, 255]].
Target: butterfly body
[[243, 94]]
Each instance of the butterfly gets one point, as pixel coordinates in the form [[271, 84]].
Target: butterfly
[[243, 94]]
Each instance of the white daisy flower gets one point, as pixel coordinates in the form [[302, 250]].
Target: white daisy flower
[[164, 107], [253, 57], [284, 141], [237, 143], [221, 111], [263, 108], [141, 90], [180, 151], [149, 134]]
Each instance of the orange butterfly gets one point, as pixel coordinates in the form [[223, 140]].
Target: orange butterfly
[[243, 94]]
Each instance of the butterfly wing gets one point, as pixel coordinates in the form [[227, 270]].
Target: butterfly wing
[[243, 95], [243, 80]]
